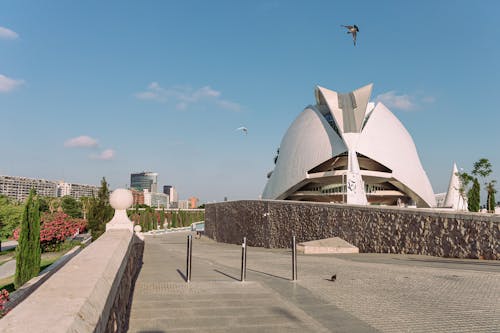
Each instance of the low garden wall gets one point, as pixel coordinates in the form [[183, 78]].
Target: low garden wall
[[271, 224], [91, 293]]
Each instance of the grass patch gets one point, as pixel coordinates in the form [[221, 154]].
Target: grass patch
[[7, 283], [47, 259]]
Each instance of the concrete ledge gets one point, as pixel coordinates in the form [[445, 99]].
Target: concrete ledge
[[81, 295], [328, 245], [29, 287]]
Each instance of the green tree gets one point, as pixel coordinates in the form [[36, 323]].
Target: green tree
[[28, 251], [85, 201], [156, 217], [174, 219], [490, 202], [482, 168], [72, 207], [54, 204], [11, 214], [464, 181], [473, 196], [162, 218], [100, 211], [44, 204]]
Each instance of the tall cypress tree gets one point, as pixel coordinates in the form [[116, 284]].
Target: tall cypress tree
[[100, 211], [162, 218], [491, 202], [473, 197], [174, 219], [28, 251]]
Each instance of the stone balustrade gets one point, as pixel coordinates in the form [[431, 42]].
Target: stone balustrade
[[92, 292], [269, 223]]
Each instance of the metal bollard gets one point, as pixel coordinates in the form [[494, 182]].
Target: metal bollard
[[189, 255], [294, 259], [244, 260]]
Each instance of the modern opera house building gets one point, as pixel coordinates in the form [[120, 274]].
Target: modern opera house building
[[345, 149]]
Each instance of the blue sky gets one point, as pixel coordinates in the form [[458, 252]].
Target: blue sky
[[105, 88]]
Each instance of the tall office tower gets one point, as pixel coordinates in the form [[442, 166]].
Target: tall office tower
[[144, 181], [172, 193], [166, 189]]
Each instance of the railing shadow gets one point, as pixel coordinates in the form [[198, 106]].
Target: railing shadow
[[225, 274], [268, 274], [184, 277]]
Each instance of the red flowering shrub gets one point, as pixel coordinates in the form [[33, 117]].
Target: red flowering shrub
[[4, 298], [56, 228]]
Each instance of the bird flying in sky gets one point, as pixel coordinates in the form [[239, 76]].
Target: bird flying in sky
[[352, 29], [243, 128]]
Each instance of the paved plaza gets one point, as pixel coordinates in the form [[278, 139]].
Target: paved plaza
[[372, 292]]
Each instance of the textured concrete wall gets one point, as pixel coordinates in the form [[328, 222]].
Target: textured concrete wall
[[91, 293], [271, 224]]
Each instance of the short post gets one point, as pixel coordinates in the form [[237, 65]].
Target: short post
[[189, 255], [294, 259], [244, 260]]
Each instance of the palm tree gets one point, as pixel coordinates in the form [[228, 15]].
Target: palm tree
[[54, 204]]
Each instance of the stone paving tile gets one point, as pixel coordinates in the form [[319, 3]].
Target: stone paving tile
[[392, 294]]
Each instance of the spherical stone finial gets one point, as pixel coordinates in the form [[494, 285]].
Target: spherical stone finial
[[137, 228], [121, 199]]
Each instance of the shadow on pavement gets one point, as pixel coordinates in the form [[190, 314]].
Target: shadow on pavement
[[268, 274], [229, 276], [182, 275]]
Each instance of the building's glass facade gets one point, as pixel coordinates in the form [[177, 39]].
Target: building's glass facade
[[144, 181]]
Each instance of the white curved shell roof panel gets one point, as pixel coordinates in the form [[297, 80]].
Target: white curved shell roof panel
[[309, 141], [385, 140]]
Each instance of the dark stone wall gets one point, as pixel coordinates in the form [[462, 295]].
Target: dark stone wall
[[120, 312], [269, 223]]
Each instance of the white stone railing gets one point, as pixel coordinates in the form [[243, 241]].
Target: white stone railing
[[91, 293]]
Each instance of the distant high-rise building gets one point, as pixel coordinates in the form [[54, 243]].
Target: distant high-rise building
[[18, 188], [76, 190], [144, 181], [156, 199], [193, 202], [166, 189], [183, 204], [172, 193], [138, 197]]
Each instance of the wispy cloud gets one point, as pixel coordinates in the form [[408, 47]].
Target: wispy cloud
[[8, 84], [184, 97], [403, 101], [82, 141], [7, 33], [105, 155]]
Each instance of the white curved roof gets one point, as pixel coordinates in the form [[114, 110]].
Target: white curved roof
[[385, 140], [353, 124], [309, 141]]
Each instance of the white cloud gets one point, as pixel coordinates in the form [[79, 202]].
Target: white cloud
[[7, 33], [81, 141], [394, 101], [7, 84], [105, 155], [404, 102], [184, 96]]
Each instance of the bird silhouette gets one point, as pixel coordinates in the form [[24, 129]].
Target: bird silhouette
[[334, 277], [243, 128], [352, 29]]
